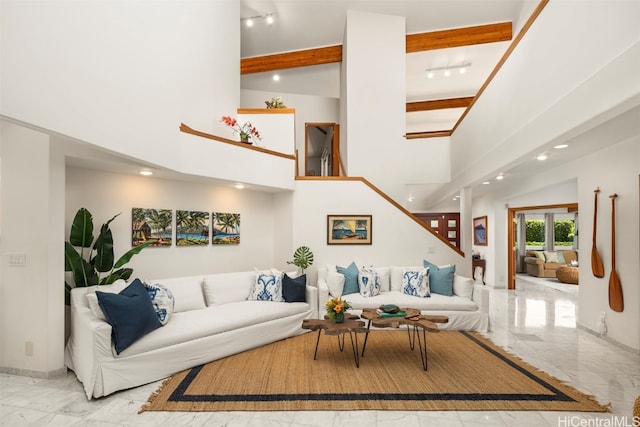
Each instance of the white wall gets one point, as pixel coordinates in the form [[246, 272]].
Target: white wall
[[308, 109], [576, 182], [106, 194], [555, 85], [32, 295], [396, 238], [374, 56], [622, 327], [122, 75]]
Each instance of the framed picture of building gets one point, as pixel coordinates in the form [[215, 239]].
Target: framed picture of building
[[480, 231], [349, 229]]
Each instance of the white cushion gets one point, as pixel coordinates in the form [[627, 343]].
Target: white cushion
[[395, 276], [435, 302], [383, 274], [462, 286], [368, 282], [161, 299], [335, 283], [115, 288], [187, 292], [224, 288], [415, 282], [267, 286]]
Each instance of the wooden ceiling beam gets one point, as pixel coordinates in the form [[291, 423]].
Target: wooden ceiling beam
[[299, 58], [415, 43], [439, 104], [457, 37], [431, 134]]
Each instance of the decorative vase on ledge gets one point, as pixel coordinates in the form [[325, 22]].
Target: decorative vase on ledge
[[245, 139]]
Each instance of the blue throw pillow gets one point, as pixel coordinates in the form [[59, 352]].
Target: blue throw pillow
[[130, 314], [350, 279], [441, 279], [294, 290]]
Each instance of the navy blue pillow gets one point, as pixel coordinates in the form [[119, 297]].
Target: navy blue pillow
[[440, 279], [350, 279], [294, 290], [130, 314]]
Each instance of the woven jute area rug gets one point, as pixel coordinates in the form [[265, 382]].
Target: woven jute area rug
[[465, 372]]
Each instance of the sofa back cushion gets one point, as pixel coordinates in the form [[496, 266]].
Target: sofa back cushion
[[462, 286], [569, 256], [187, 292], [224, 288]]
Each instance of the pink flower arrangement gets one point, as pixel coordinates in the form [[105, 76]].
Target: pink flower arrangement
[[245, 131]]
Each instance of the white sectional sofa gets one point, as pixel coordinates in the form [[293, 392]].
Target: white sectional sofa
[[467, 309], [211, 319]]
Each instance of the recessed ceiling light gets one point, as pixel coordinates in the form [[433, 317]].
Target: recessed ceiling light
[[486, 183], [276, 77], [145, 172], [269, 19], [561, 146], [239, 186], [500, 177], [249, 22], [430, 74], [542, 157], [447, 73], [411, 198], [463, 70]]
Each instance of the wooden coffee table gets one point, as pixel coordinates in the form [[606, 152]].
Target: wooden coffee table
[[351, 325], [416, 323]]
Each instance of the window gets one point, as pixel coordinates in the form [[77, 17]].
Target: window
[[564, 231]]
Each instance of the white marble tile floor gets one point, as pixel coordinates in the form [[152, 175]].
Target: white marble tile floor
[[536, 323]]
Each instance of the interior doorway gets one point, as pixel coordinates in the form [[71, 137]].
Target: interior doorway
[[512, 249], [322, 149]]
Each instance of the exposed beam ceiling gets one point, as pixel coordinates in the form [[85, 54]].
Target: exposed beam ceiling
[[439, 104], [458, 37], [415, 43]]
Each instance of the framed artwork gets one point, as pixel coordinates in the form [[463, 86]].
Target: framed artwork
[[349, 229], [226, 228], [151, 224], [480, 231], [192, 228]]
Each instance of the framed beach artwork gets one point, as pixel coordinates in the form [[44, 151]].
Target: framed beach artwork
[[226, 228], [480, 231], [151, 224], [192, 228], [349, 229]]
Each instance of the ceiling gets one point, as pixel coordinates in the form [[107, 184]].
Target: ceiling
[[305, 24]]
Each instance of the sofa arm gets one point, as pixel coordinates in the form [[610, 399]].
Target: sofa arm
[[88, 346], [311, 295], [323, 295], [481, 297]]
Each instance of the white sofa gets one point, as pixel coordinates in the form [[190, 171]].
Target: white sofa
[[467, 309], [212, 319]]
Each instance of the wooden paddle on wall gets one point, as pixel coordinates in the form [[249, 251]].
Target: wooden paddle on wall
[[596, 262], [616, 301]]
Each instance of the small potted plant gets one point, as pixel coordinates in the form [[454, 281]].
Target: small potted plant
[[246, 131], [302, 258], [336, 308]]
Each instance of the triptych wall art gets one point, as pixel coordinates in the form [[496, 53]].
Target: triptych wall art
[[192, 228]]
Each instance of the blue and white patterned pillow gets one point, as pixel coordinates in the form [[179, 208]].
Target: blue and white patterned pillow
[[162, 301], [416, 282], [267, 286], [368, 282]]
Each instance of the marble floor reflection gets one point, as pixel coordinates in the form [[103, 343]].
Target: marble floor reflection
[[534, 322]]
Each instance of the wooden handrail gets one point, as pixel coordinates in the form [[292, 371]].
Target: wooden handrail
[[387, 198], [186, 129]]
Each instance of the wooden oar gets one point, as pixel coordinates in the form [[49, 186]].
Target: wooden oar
[[616, 301], [596, 262]]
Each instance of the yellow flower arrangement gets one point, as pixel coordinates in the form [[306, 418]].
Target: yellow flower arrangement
[[336, 307]]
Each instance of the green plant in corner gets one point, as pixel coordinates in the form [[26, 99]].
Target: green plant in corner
[[302, 258], [86, 266]]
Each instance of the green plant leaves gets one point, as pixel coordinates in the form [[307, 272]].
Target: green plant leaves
[[303, 257], [81, 233]]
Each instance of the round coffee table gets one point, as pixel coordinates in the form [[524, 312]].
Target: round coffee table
[[567, 274]]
